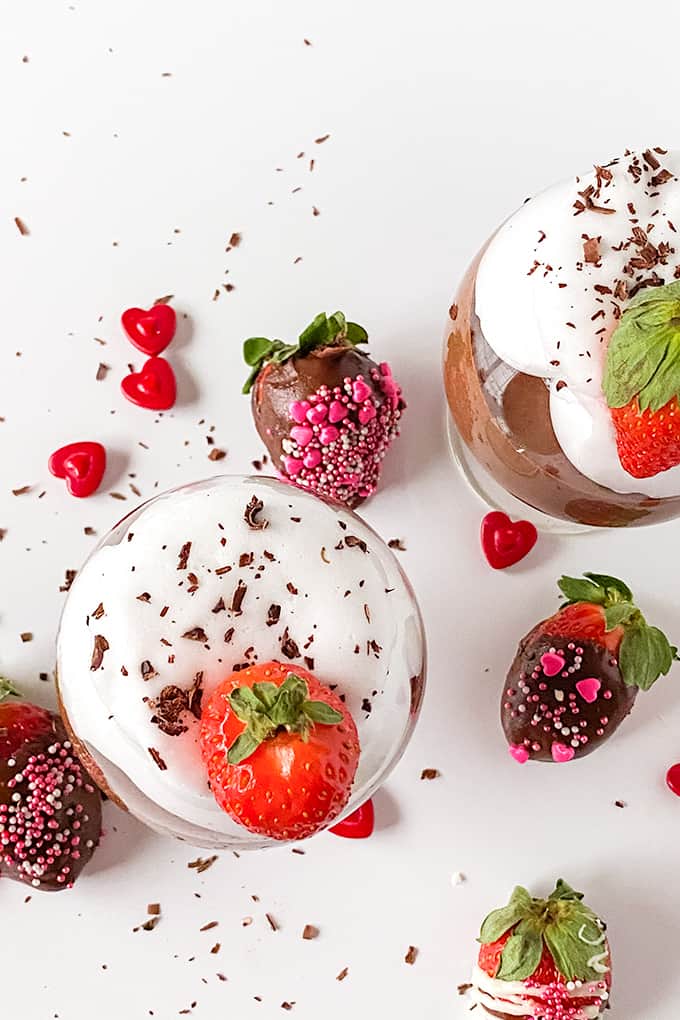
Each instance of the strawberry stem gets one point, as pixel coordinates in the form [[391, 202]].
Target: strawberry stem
[[7, 688]]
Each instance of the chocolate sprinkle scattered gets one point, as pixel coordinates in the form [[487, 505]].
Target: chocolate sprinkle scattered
[[219, 606], [157, 758], [411, 955], [343, 974], [195, 634], [310, 931], [184, 556], [147, 670], [289, 647], [216, 454], [273, 615], [272, 923], [69, 578], [430, 774], [101, 645], [397, 543], [352, 542], [102, 369], [238, 597], [21, 226], [202, 864], [251, 514]]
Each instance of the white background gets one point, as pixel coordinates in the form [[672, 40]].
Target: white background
[[442, 117]]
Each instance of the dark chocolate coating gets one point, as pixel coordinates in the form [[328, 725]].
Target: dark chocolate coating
[[69, 821], [528, 713], [277, 386]]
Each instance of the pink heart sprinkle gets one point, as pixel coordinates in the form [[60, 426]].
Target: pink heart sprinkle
[[552, 663], [317, 414], [337, 412], [366, 414], [312, 458], [360, 391], [298, 409], [588, 689], [519, 753], [293, 465], [328, 435], [562, 753], [302, 434]]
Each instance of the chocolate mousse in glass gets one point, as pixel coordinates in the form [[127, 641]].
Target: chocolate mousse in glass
[[562, 356]]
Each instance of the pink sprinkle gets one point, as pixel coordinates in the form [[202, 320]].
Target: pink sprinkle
[[367, 413], [328, 435], [561, 753], [337, 412], [316, 415], [298, 410], [293, 465], [360, 391], [302, 434], [588, 689], [312, 459], [552, 663], [519, 753]]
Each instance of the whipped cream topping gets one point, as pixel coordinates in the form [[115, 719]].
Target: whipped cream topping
[[521, 999], [190, 586], [554, 280]]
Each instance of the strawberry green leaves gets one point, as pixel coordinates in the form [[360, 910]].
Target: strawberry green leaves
[[643, 357], [502, 920], [522, 952], [562, 923], [645, 653], [323, 331], [7, 688], [266, 708]]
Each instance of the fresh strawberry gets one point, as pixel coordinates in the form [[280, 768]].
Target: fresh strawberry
[[641, 382], [325, 411], [647, 442], [50, 811], [582, 621], [20, 723], [553, 953], [281, 750]]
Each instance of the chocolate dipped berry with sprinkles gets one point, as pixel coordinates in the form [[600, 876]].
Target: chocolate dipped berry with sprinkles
[[576, 675], [325, 411], [50, 810], [543, 959]]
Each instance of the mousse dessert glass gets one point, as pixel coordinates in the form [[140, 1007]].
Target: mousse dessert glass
[[562, 352], [223, 578]]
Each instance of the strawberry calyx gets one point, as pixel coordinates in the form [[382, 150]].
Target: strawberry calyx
[[643, 356], [645, 652], [7, 688], [323, 331], [268, 708], [570, 931]]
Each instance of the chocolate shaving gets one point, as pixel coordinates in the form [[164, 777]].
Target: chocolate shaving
[[273, 615], [291, 588], [245, 559], [411, 955], [168, 709], [147, 670], [195, 634], [352, 542], [343, 974], [101, 645], [310, 931], [157, 758], [453, 312], [219, 606], [288, 646], [209, 925], [464, 988], [144, 597], [430, 774], [26, 636], [21, 226], [397, 543], [591, 249], [216, 454], [272, 923], [222, 570], [184, 556], [69, 578], [238, 597], [228, 635], [251, 513], [202, 864]]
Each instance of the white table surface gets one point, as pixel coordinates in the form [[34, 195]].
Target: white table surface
[[134, 120]]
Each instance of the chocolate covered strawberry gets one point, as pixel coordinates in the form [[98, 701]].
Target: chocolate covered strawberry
[[543, 959], [50, 811], [281, 750], [642, 382], [325, 411], [576, 675]]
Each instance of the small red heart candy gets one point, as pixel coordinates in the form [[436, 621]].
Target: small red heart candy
[[81, 464], [154, 387], [152, 329], [358, 825], [505, 542]]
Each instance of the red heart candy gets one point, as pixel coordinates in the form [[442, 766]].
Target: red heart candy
[[81, 464], [506, 542], [358, 825], [152, 329], [154, 387]]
